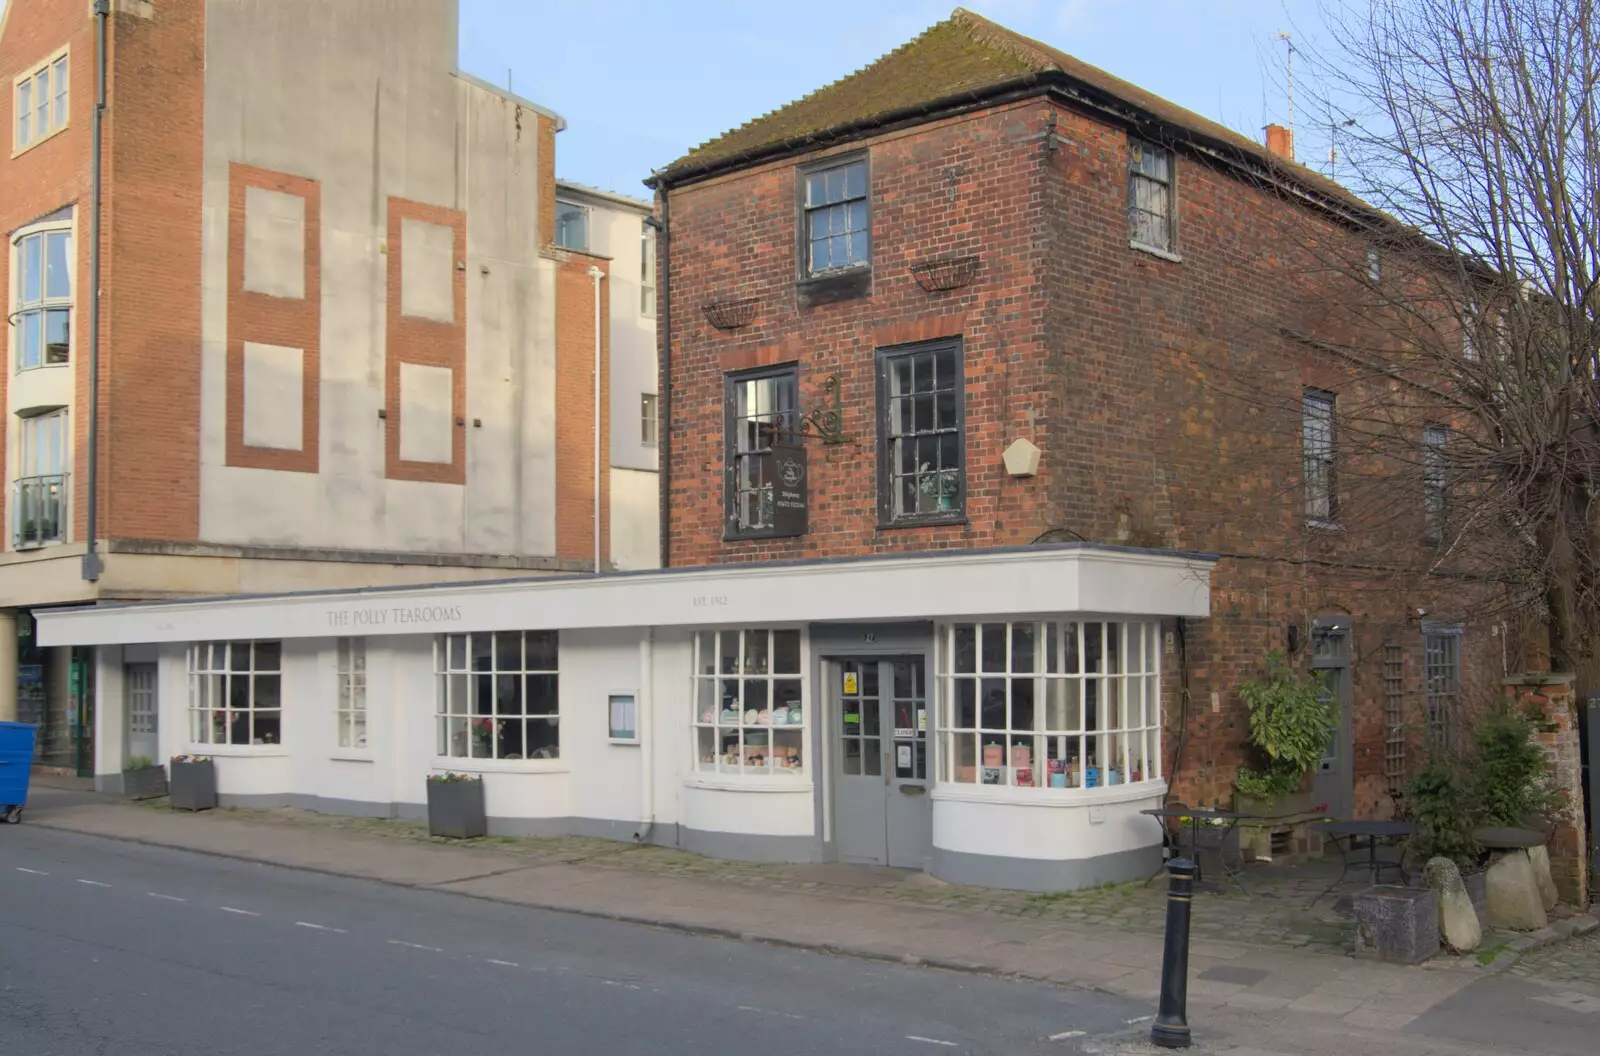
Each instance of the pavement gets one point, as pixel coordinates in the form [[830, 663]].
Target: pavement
[[1241, 992]]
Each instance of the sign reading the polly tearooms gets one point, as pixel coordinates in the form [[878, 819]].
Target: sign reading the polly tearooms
[[394, 616]]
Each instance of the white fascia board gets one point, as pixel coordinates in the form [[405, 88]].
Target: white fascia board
[[972, 584]]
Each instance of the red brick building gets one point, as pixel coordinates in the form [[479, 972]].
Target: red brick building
[[1009, 299]]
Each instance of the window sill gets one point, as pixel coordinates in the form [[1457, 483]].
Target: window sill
[[17, 152], [1156, 251], [924, 522], [501, 766], [351, 755], [750, 537], [731, 783], [1324, 526], [42, 366], [844, 285], [1050, 797], [239, 751]]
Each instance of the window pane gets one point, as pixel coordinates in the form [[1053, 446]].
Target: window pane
[[57, 335], [41, 102], [966, 717], [786, 652], [856, 180], [814, 189], [24, 112], [61, 83], [32, 269], [508, 651], [834, 179], [856, 216], [544, 694], [994, 647], [858, 247], [965, 648], [58, 276], [268, 656], [29, 344]]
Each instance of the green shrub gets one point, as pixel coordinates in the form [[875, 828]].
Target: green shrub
[[1510, 781], [1291, 721], [138, 762], [1441, 805]]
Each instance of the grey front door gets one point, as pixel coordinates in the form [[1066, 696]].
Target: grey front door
[[139, 682], [1333, 784], [882, 813]]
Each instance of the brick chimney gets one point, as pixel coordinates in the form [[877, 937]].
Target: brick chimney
[[1280, 141]]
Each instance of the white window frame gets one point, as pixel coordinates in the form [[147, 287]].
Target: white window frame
[[353, 720], [1131, 746], [1374, 265], [54, 75], [649, 419], [46, 304], [647, 270], [620, 734], [467, 738], [220, 688], [716, 727], [588, 224], [32, 473]]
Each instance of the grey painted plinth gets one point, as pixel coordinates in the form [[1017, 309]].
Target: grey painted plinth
[[455, 809], [148, 782], [193, 786], [1397, 924]]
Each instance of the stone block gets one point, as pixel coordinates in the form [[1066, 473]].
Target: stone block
[[1539, 858], [1478, 890], [1459, 928], [1397, 924], [1513, 894]]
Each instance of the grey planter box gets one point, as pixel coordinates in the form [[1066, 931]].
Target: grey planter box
[[193, 786], [149, 782], [1397, 924], [455, 809]]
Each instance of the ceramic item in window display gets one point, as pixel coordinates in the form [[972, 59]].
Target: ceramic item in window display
[[1058, 779], [750, 717], [780, 717], [729, 717], [765, 717], [794, 715], [1091, 777]]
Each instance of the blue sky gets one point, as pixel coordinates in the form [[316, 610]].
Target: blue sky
[[641, 81]]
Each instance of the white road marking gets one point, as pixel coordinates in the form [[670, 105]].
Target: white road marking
[[241, 912], [1138, 1019], [1065, 1034], [503, 964], [930, 1041], [1583, 1004], [415, 946], [35, 872], [93, 883], [765, 1012], [166, 898], [316, 927]]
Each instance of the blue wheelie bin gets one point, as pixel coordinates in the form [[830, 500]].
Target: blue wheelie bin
[[16, 763]]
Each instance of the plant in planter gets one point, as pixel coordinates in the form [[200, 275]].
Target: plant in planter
[[141, 779], [193, 784], [1291, 721], [455, 806]]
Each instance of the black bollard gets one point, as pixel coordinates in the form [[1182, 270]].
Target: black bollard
[[1171, 1029]]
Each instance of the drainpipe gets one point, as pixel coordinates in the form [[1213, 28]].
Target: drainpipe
[[91, 557], [647, 768], [664, 378], [597, 275]]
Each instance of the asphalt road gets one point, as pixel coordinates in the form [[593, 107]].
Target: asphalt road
[[121, 949]]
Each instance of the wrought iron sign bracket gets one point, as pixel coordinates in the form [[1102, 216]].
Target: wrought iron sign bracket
[[826, 423]]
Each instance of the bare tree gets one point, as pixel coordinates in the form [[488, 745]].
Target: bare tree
[[1463, 310]]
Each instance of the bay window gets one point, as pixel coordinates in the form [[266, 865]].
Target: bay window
[[1050, 704], [750, 714], [41, 315], [236, 693], [498, 695]]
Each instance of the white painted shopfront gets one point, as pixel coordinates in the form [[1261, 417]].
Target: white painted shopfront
[[993, 717]]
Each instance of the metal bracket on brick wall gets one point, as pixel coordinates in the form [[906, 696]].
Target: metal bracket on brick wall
[[1049, 139], [826, 423]]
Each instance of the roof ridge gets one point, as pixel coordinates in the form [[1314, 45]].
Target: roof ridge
[[1019, 47], [880, 60]]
